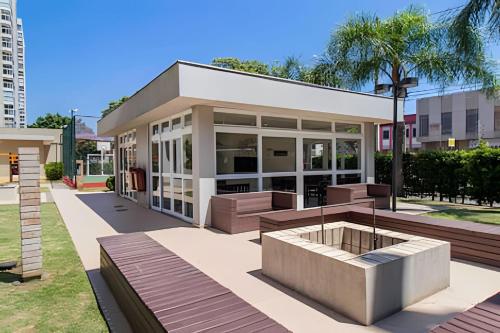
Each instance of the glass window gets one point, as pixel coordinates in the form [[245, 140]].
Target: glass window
[[188, 120], [236, 153], [317, 154], [237, 185], [414, 130], [424, 125], [278, 122], [407, 132], [165, 165], [188, 154], [315, 190], [176, 123], [155, 157], [178, 195], [177, 155], [165, 127], [497, 118], [155, 129], [348, 128], [446, 123], [285, 184], [278, 154], [188, 198], [167, 195], [348, 154], [156, 191], [222, 118], [314, 125], [471, 121], [385, 134], [353, 178]]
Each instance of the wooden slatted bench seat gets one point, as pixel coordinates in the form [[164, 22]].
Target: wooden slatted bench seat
[[484, 317], [160, 292]]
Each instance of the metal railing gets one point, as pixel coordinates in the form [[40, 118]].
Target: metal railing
[[372, 201]]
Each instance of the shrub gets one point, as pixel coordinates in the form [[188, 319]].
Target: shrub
[[110, 183], [53, 170]]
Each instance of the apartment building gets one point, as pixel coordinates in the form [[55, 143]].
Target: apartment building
[[13, 97], [464, 116], [384, 142]]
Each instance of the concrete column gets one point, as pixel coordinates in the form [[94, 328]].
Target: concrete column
[[370, 144], [204, 184], [29, 212], [142, 142]]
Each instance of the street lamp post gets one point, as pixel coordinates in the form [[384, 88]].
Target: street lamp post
[[398, 90]]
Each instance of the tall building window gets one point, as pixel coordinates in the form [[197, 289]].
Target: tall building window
[[471, 121], [7, 56], [7, 69], [446, 121], [6, 29], [5, 15], [8, 84], [6, 42], [497, 118], [424, 125]]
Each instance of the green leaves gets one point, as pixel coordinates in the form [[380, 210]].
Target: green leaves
[[113, 105], [367, 49], [51, 120]]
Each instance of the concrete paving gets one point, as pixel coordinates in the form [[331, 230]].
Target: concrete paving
[[235, 262]]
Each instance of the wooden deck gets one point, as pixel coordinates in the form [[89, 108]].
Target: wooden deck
[[484, 317], [160, 292]]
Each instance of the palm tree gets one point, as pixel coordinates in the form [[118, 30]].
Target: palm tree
[[366, 49], [407, 45], [472, 16]]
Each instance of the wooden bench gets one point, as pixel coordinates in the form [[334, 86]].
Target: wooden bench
[[339, 194], [239, 212], [484, 317], [160, 292], [469, 241]]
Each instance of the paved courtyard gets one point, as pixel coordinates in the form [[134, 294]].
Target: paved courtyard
[[235, 262]]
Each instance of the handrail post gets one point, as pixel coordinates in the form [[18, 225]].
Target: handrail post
[[322, 227], [374, 227]]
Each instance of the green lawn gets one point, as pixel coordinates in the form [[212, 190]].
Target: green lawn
[[63, 300], [484, 215]]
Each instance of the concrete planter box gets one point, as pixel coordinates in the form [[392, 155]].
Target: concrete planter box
[[347, 275]]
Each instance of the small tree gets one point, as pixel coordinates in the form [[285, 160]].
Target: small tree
[[51, 120], [113, 105]]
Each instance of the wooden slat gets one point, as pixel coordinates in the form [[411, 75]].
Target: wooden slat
[[484, 317], [159, 291]]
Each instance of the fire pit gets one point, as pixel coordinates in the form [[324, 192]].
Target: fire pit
[[347, 275]]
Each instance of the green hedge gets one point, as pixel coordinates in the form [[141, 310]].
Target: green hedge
[[110, 183], [447, 173], [53, 170]]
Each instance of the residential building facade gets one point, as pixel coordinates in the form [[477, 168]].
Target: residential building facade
[[13, 97], [464, 116], [198, 130], [384, 143]]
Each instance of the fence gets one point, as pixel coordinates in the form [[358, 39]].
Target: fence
[[99, 164]]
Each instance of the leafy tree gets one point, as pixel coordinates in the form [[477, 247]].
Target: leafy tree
[[249, 66], [51, 120], [473, 16], [367, 48], [113, 105]]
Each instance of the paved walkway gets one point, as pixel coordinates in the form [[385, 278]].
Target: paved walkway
[[235, 262]]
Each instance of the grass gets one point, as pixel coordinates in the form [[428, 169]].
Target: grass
[[480, 215], [453, 211], [63, 300]]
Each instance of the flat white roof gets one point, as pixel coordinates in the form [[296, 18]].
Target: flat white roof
[[186, 84]]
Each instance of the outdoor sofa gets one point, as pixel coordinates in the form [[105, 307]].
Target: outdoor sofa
[[240, 212], [339, 194]]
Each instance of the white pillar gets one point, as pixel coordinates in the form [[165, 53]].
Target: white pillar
[[369, 138], [204, 184], [300, 173]]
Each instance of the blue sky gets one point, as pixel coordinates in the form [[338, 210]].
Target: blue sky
[[84, 54]]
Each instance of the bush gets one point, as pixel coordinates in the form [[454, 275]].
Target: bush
[[110, 183], [447, 173], [53, 170]]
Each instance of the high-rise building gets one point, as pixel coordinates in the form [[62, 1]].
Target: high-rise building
[[13, 97]]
